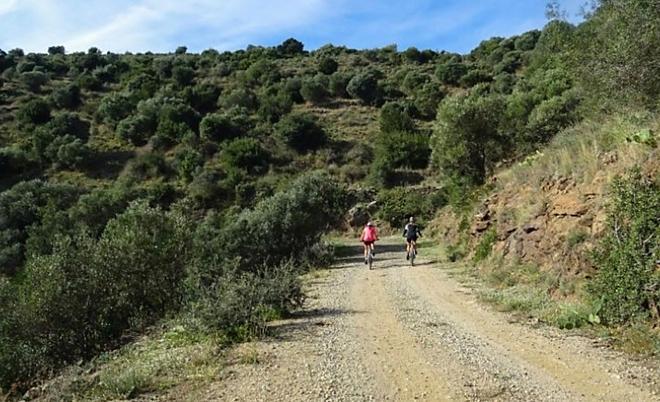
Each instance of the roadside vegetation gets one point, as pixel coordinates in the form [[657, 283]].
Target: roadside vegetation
[[136, 189]]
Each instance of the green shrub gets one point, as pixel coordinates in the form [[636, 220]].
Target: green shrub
[[238, 303], [35, 111], [328, 65], [67, 152], [187, 161], [22, 206], [218, 127], [451, 73], [130, 277], [393, 118], [148, 166], [301, 131], [291, 47], [426, 100], [414, 81], [34, 80], [262, 236], [338, 83], [136, 129], [183, 75], [67, 96], [627, 281], [364, 86], [274, 102], [485, 246], [399, 204], [466, 141], [246, 154], [13, 161], [204, 97], [240, 97], [114, 107], [399, 150], [314, 90], [262, 72]]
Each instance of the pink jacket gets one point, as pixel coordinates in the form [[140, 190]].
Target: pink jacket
[[369, 234]]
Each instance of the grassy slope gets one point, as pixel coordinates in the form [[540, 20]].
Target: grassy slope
[[551, 290]]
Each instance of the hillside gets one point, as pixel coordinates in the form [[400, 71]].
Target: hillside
[[139, 190]]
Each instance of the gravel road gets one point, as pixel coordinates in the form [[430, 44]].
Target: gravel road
[[401, 333]]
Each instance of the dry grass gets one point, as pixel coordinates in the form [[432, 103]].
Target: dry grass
[[584, 151], [155, 364]]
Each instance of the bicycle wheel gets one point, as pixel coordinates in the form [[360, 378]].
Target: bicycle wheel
[[370, 259], [413, 254]]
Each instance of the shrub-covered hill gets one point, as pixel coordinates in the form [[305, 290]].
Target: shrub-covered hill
[[140, 186]]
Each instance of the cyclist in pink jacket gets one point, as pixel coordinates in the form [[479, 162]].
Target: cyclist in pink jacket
[[368, 238]]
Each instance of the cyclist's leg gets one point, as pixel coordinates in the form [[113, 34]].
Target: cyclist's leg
[[366, 247]]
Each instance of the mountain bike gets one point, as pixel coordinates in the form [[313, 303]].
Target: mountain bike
[[412, 254], [370, 258]]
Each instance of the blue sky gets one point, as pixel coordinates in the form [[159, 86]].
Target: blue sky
[[162, 25]]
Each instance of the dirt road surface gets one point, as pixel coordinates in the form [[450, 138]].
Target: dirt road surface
[[401, 333]]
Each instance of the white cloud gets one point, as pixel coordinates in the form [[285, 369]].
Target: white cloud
[[7, 6], [125, 25]]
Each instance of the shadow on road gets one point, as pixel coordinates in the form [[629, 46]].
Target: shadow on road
[[349, 255], [305, 320]]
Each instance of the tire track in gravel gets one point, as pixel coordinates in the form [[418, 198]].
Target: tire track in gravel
[[400, 333], [579, 371], [394, 356]]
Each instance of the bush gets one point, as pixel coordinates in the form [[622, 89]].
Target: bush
[[114, 107], [262, 72], [241, 97], [218, 127], [338, 83], [67, 152], [239, 304], [485, 245], [427, 99], [364, 86], [20, 207], [274, 103], [291, 47], [13, 161], [451, 73], [34, 80], [246, 154], [301, 131], [403, 149], [393, 118], [62, 141], [627, 283], [148, 166], [414, 81], [136, 129], [328, 65], [466, 140], [35, 111], [187, 161], [130, 277], [69, 123], [313, 90], [204, 97], [183, 75], [67, 96], [395, 206], [262, 237], [551, 116]]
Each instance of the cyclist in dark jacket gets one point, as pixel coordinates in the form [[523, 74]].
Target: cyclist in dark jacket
[[411, 232]]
